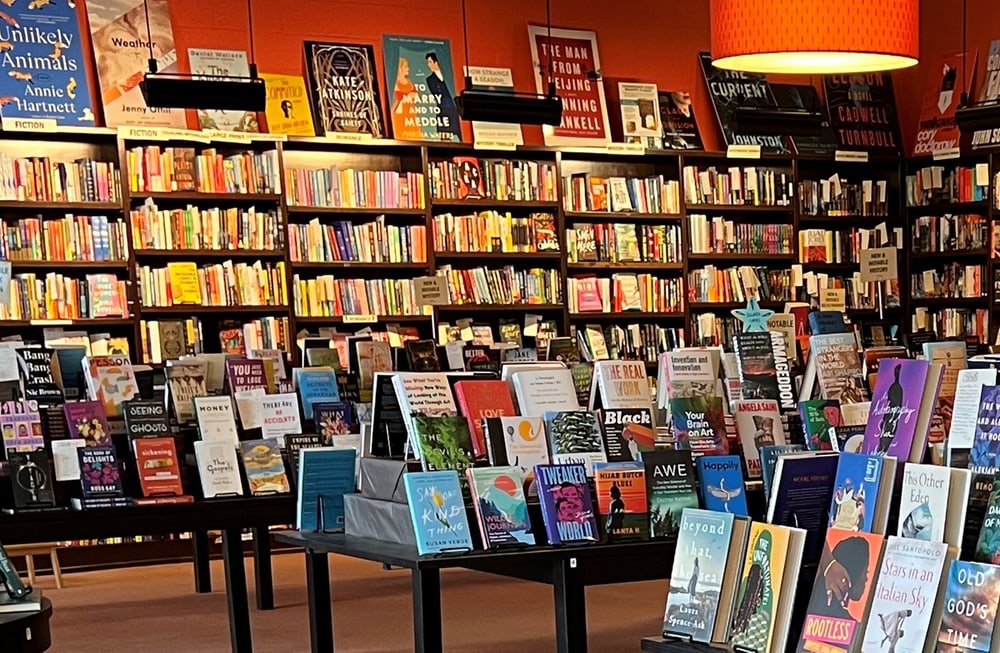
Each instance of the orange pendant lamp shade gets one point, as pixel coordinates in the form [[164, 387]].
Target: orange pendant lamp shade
[[815, 36]]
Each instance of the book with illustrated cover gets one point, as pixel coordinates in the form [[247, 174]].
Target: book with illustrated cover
[[501, 509], [621, 500], [222, 63], [287, 109], [680, 128], [99, 472], [903, 400], [334, 418], [21, 425], [670, 488], [315, 384], [159, 469], [420, 84], [627, 433], [818, 417], [186, 379], [988, 544], [344, 88], [444, 442], [517, 441], [218, 469], [757, 369], [861, 492], [111, 381], [421, 356], [838, 367], [31, 479], [481, 399], [567, 507], [87, 420], [699, 424], [758, 423], [264, 467], [975, 585], [933, 503], [721, 485], [437, 511], [575, 437]]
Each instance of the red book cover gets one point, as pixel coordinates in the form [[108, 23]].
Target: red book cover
[[159, 473], [481, 399]]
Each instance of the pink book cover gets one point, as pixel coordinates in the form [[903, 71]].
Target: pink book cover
[[588, 296]]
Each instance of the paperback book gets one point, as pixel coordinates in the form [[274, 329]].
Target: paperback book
[[325, 475], [567, 507], [758, 423], [720, 484], [501, 509], [264, 467], [218, 469]]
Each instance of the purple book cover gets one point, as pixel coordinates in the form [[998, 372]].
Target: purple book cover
[[899, 389], [567, 507], [245, 374], [86, 419]]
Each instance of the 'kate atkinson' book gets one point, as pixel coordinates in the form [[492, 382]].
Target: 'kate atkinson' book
[[862, 492], [86, 419], [699, 424], [216, 420], [766, 591], [710, 547], [670, 488], [970, 608], [933, 502], [906, 606], [567, 507], [264, 467], [758, 423], [802, 495], [326, 474], [720, 484], [218, 469], [903, 401], [437, 511], [621, 500], [344, 88], [517, 441], [420, 82], [501, 509], [835, 618]]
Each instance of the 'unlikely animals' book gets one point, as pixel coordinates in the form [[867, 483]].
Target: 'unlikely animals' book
[[621, 500], [437, 511], [501, 509], [720, 484], [567, 507]]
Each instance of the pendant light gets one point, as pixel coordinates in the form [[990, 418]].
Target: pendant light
[[815, 36]]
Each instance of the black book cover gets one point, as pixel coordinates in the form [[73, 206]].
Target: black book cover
[[680, 128], [347, 384], [479, 358], [863, 112], [145, 419], [755, 356], [614, 423], [421, 356], [670, 488], [804, 96], [31, 479], [35, 364], [496, 441], [344, 88]]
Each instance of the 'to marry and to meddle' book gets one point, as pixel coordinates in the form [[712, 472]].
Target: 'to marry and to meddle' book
[[437, 511], [670, 488], [498, 498], [621, 500], [970, 608], [710, 547], [567, 507]]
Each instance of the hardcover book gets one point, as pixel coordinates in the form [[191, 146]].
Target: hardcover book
[[902, 400], [757, 370], [670, 488], [818, 417], [802, 495], [481, 399], [720, 484], [805, 97], [567, 507], [325, 475], [294, 444], [218, 469], [542, 390], [334, 418], [517, 441], [856, 495], [933, 503], [287, 108], [421, 356], [437, 511], [838, 367], [952, 357], [159, 470], [862, 112], [222, 63], [758, 423], [575, 437], [699, 424], [621, 500], [186, 379], [619, 384], [86, 419], [31, 479], [420, 81], [970, 585], [264, 467], [35, 367], [99, 473], [344, 88], [244, 374], [627, 433], [680, 129], [112, 381], [315, 385], [216, 420], [22, 428], [145, 418], [769, 460], [501, 509], [444, 442]]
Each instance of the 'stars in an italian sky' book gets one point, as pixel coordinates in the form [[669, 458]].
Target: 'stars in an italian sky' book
[[344, 88], [437, 511]]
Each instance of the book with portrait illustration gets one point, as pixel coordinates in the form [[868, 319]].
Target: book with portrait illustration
[[838, 605], [818, 417], [421, 89], [621, 500], [501, 509], [862, 492], [437, 511], [567, 507], [680, 128], [953, 357], [758, 424], [972, 585], [903, 402], [87, 420]]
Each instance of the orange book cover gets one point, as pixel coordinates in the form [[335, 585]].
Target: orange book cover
[[479, 400], [621, 500]]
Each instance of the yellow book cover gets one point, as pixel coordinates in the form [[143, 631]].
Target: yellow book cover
[[288, 109], [760, 584], [184, 286]]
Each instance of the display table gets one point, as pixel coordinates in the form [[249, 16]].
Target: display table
[[569, 569], [26, 632], [231, 516]]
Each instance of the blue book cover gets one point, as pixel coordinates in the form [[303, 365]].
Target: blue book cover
[[437, 511], [421, 89], [316, 386], [720, 484], [822, 322], [500, 506], [99, 474], [858, 479], [567, 505], [334, 418], [43, 70], [327, 473], [984, 459], [801, 497], [769, 460]]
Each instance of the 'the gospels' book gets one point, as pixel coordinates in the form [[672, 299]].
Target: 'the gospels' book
[[498, 499], [218, 469], [567, 507], [621, 500], [670, 488], [437, 511]]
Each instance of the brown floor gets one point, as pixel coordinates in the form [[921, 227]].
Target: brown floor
[[154, 610]]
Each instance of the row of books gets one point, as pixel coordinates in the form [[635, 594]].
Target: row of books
[[951, 323], [71, 238], [721, 236], [469, 178], [736, 186], [53, 296], [713, 330], [835, 245], [370, 242], [327, 296], [836, 197], [41, 179], [739, 284], [153, 169], [622, 242], [937, 185], [506, 285], [491, 231], [950, 280], [948, 233], [212, 229], [625, 292], [350, 188], [163, 340], [224, 284], [858, 294], [654, 194], [635, 341]]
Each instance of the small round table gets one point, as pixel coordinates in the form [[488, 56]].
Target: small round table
[[26, 632]]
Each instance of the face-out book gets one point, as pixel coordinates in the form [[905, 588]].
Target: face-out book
[[567, 507], [621, 500], [720, 484], [501, 509], [437, 511], [962, 629], [670, 488], [264, 467]]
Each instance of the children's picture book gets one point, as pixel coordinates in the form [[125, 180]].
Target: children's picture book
[[501, 509], [567, 507], [621, 500], [670, 488], [437, 511], [264, 467], [721, 485]]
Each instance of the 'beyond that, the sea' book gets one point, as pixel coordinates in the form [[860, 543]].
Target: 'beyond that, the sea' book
[[437, 511], [567, 507], [344, 88], [970, 585], [500, 506]]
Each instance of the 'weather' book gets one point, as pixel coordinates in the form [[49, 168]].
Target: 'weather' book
[[437, 511], [500, 506]]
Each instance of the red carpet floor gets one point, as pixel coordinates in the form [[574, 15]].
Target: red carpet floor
[[155, 610]]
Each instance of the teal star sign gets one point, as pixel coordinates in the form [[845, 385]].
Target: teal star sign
[[753, 317]]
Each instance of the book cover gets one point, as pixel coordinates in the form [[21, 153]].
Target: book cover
[[862, 111], [421, 356], [802, 496], [698, 572], [670, 488], [834, 623], [344, 88], [21, 426], [245, 374], [334, 418], [316, 385], [421, 84], [970, 608], [988, 543], [99, 473], [938, 132], [43, 74], [720, 484], [621, 500], [35, 369], [326, 474], [757, 369], [620, 384], [896, 401], [541, 390], [759, 591], [206, 64], [113, 382], [986, 138], [145, 418], [680, 128], [501, 509], [818, 417], [216, 419], [517, 441], [279, 416], [856, 491], [218, 469], [769, 460], [264, 467], [627, 433], [287, 107], [758, 423], [575, 437], [481, 399], [437, 511], [923, 505], [699, 424], [953, 359], [444, 442], [567, 507], [87, 420], [159, 470], [186, 380], [838, 367], [804, 96], [31, 479]]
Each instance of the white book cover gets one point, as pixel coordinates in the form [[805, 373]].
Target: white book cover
[[526, 443], [968, 389], [65, 459], [620, 384], [923, 502], [758, 423], [216, 420], [218, 468], [539, 391], [424, 393], [279, 416], [901, 617]]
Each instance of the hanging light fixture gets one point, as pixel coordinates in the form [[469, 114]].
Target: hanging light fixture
[[815, 36]]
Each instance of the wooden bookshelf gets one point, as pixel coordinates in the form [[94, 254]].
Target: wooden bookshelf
[[221, 254], [356, 265], [212, 310], [738, 208], [348, 211], [626, 315], [499, 257], [65, 207], [379, 319], [195, 196], [56, 266], [621, 216], [590, 266], [478, 205]]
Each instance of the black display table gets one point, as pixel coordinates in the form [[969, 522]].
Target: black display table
[[569, 569], [231, 516], [26, 632]]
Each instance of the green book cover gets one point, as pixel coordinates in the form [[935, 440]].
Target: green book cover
[[445, 442], [988, 545]]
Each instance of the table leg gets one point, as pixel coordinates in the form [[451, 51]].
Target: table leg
[[202, 563], [262, 568], [426, 610], [571, 608], [236, 591], [320, 603]]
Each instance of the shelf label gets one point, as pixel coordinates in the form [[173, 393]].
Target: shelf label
[[879, 264], [508, 145], [632, 149], [360, 319], [431, 291], [129, 132], [833, 299], [50, 322], [784, 323], [29, 124], [348, 137], [228, 136], [743, 151], [850, 156], [946, 153]]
